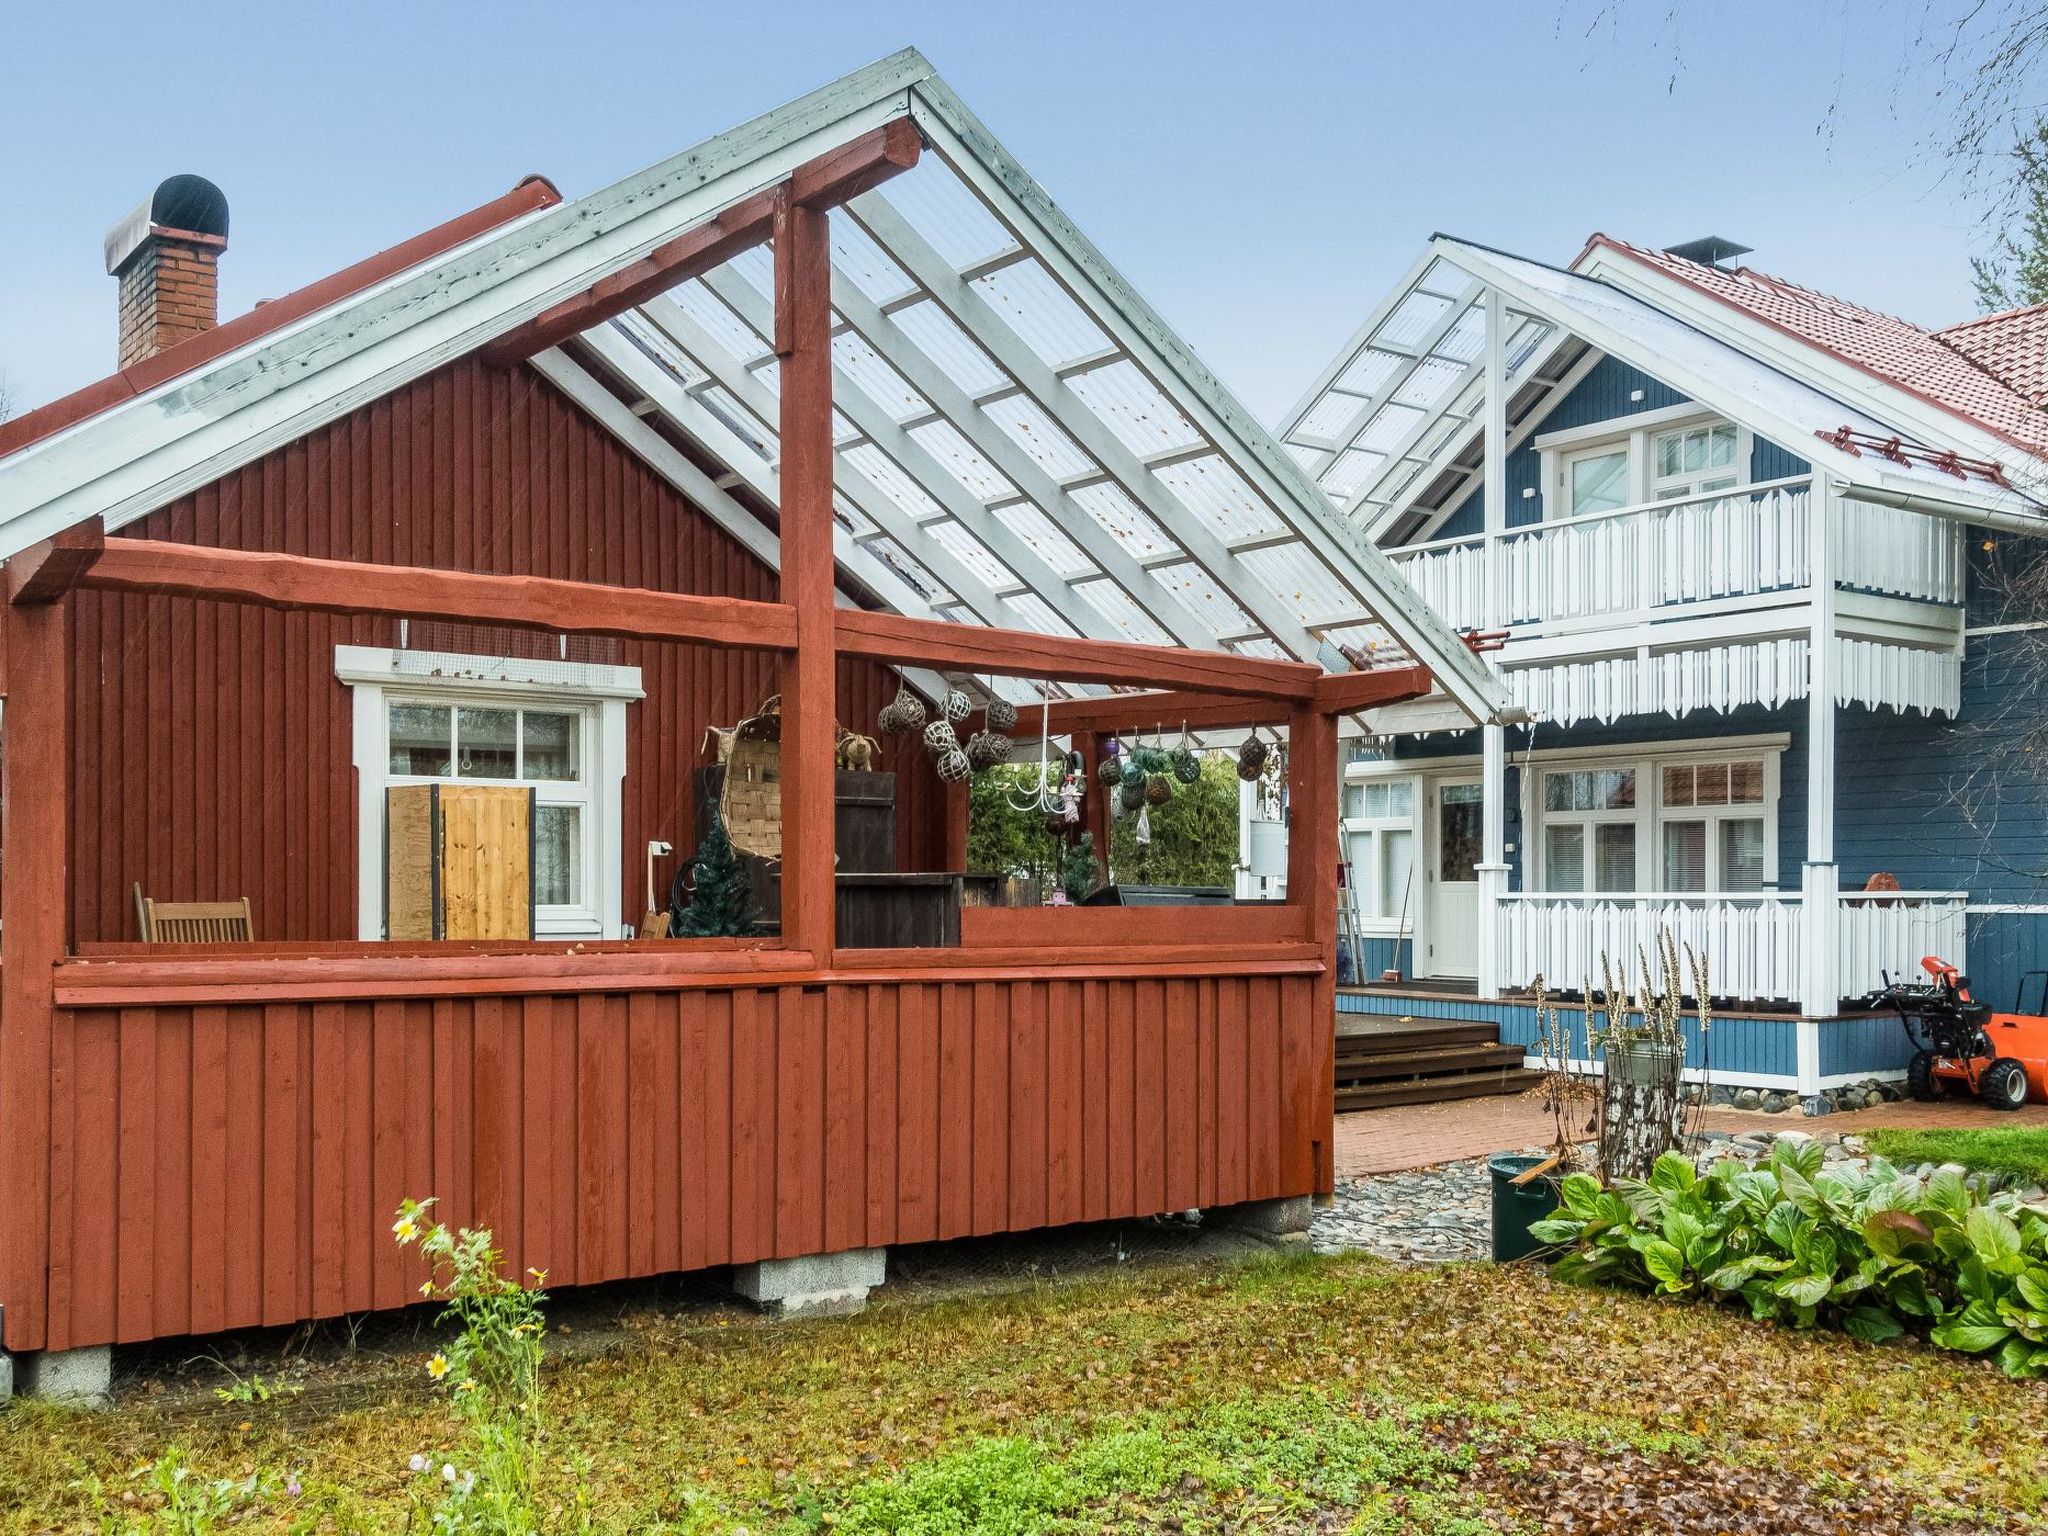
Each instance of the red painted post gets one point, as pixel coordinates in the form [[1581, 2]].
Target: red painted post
[[1095, 798], [35, 906], [803, 341], [1312, 887]]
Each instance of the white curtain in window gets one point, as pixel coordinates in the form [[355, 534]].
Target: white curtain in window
[[1685, 855]]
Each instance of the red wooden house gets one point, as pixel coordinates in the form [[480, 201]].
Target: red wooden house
[[831, 400]]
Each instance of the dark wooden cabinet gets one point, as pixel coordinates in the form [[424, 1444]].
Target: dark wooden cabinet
[[865, 834]]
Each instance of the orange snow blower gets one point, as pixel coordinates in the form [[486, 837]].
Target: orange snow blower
[[1963, 1049]]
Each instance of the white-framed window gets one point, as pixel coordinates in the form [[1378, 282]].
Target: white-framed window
[[1589, 829], [1630, 461], [1714, 829], [558, 727], [1692, 460], [1596, 480], [1694, 818], [1379, 832]]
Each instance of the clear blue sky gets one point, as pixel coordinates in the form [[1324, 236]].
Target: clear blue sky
[[1261, 172]]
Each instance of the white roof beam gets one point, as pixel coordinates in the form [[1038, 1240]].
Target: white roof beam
[[710, 497], [706, 353], [974, 315], [910, 456], [1022, 471], [959, 138]]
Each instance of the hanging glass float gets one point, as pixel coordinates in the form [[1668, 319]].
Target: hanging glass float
[[1132, 795], [958, 705], [953, 766], [1186, 766], [1002, 714], [987, 748], [1251, 758], [940, 737], [902, 715], [1158, 789]]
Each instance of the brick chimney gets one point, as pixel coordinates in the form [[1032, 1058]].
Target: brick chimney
[[166, 255]]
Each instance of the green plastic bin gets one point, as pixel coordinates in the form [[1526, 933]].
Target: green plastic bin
[[1514, 1209]]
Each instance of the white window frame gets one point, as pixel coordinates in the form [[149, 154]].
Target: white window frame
[[1686, 484], [1366, 871], [1584, 820], [1717, 816], [1650, 812], [1636, 436], [378, 677]]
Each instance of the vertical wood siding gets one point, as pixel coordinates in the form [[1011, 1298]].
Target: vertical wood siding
[[225, 1167], [212, 741]]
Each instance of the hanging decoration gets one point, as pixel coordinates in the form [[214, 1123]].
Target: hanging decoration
[[953, 765], [903, 715], [940, 737], [1251, 757], [1133, 793], [1001, 713], [985, 749], [1158, 789], [1111, 769], [958, 705], [1043, 797], [1187, 766]]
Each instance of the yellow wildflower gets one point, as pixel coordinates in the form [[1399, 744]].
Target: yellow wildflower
[[438, 1366], [405, 1229]]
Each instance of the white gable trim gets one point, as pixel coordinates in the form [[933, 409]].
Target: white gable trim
[[1921, 419]]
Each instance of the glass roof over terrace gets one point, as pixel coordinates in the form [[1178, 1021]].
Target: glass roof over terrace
[[1390, 431], [1013, 449]]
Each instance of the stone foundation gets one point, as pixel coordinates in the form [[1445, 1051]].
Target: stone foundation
[[82, 1377], [820, 1285]]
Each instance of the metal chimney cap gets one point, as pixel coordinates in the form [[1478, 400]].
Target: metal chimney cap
[[189, 203], [1708, 250]]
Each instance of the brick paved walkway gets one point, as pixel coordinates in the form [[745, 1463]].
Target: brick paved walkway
[[1423, 1135]]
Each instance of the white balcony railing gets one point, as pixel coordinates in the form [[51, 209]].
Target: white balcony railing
[[1641, 562], [1755, 943], [1886, 934]]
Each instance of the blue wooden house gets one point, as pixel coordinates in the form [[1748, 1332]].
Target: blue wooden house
[[1747, 553]]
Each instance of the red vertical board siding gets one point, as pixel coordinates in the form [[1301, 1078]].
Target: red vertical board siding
[[211, 748], [216, 1168]]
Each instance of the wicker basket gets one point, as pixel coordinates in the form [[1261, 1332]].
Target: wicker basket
[[751, 803]]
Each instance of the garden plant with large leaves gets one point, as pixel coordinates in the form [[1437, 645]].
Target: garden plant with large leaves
[[1875, 1253]]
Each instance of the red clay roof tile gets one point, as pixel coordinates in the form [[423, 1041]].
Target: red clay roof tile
[[1932, 365]]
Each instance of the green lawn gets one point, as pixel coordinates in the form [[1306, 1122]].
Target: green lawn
[[1285, 1394], [2020, 1151]]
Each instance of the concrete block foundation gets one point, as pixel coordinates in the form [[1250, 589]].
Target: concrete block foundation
[[819, 1285], [1284, 1218], [81, 1377]]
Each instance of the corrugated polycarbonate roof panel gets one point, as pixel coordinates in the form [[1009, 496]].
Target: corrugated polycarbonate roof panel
[[1003, 451]]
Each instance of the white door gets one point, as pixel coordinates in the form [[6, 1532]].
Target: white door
[[1455, 843]]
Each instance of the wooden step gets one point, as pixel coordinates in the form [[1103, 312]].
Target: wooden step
[[1433, 1090], [1420, 1034], [1438, 1061]]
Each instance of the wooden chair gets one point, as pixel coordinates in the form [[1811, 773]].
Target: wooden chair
[[193, 922]]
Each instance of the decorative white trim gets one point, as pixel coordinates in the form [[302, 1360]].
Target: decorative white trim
[[371, 672], [1617, 427]]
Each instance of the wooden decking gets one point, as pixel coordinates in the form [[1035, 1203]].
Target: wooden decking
[[1383, 1061]]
